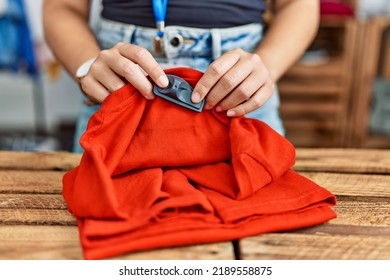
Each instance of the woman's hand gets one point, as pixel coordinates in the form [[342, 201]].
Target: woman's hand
[[237, 82], [118, 65]]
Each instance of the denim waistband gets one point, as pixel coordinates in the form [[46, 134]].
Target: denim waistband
[[179, 41]]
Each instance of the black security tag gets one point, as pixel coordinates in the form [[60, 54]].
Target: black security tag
[[179, 92]]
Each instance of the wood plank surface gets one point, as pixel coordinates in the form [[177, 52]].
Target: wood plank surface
[[338, 160], [367, 202], [35, 222], [315, 246], [32, 201], [36, 217], [61, 242], [343, 160], [38, 160], [352, 184], [362, 213], [214, 251], [39, 242], [30, 181], [50, 182]]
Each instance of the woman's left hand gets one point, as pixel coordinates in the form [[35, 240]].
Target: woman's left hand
[[237, 82]]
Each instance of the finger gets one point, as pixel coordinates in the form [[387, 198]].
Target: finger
[[228, 83], [243, 91], [212, 75], [133, 74], [105, 76], [95, 91], [255, 102], [144, 58]]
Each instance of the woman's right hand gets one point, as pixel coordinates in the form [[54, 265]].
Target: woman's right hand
[[123, 62]]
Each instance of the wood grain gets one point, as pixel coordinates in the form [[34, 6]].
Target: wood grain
[[361, 211], [27, 181], [302, 87], [352, 184], [343, 160], [36, 217], [59, 242], [315, 246], [311, 138], [331, 69], [35, 222], [364, 204], [349, 230], [327, 110], [365, 72], [50, 182], [38, 160], [385, 73], [39, 242], [315, 125], [214, 251], [287, 87], [32, 201]]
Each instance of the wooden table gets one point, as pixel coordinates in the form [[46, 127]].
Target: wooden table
[[35, 223]]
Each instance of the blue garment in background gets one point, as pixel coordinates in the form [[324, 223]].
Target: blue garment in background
[[16, 46]]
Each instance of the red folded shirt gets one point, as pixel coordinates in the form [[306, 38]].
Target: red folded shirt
[[155, 175]]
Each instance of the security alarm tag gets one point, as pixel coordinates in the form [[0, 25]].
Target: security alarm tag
[[179, 92]]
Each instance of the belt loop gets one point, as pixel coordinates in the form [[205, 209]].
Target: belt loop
[[168, 51], [128, 34], [216, 43]]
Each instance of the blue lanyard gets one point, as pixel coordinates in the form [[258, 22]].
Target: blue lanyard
[[160, 10]]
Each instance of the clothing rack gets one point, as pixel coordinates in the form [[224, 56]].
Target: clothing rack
[[17, 56]]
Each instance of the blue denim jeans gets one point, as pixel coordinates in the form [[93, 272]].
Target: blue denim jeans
[[188, 47]]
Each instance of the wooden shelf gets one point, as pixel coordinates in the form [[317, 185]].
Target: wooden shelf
[[333, 68], [368, 58], [304, 88], [315, 98], [377, 141], [312, 110], [335, 21], [310, 139], [311, 124]]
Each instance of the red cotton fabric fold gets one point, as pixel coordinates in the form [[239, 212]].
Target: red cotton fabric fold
[[154, 174]]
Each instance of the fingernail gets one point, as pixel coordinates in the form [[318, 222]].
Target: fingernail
[[218, 109], [149, 97], [231, 113], [163, 81], [207, 106], [195, 97]]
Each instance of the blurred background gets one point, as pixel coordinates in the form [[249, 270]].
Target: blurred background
[[336, 95]]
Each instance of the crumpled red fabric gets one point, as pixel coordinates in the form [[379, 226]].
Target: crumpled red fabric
[[154, 174]]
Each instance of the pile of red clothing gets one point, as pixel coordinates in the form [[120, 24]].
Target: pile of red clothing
[[336, 8], [155, 175]]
